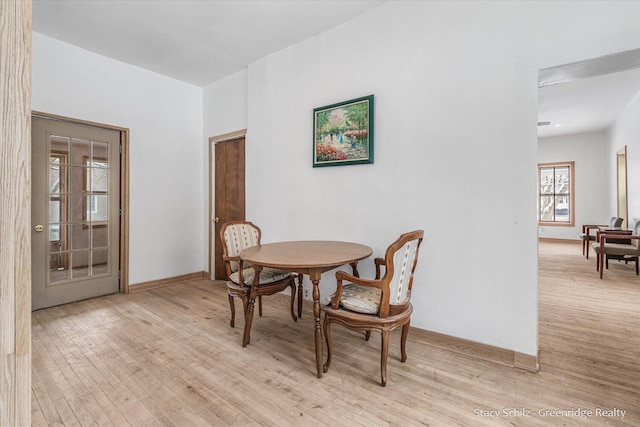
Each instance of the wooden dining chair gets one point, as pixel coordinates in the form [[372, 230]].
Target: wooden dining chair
[[237, 236], [382, 304], [587, 236], [624, 247]]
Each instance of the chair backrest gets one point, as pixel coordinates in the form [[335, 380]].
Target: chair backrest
[[401, 259], [615, 222], [237, 236], [636, 232]]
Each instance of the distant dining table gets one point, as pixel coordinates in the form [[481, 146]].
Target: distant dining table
[[310, 257]]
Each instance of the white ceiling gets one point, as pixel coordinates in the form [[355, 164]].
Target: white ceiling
[[586, 105], [201, 42], [198, 42]]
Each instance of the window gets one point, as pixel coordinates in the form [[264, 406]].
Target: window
[[555, 193]]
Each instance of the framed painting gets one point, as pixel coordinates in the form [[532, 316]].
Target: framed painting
[[343, 133]]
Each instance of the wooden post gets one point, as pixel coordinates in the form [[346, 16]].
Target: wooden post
[[15, 213]]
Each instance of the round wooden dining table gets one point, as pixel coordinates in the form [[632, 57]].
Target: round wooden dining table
[[310, 257]]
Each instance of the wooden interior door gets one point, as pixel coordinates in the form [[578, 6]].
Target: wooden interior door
[[229, 193]]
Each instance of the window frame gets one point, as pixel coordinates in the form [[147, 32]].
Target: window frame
[[572, 208]]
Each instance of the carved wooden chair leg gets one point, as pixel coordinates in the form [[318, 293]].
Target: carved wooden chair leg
[[247, 322], [403, 341], [637, 270], [367, 335], [300, 293], [327, 339], [245, 305], [260, 305], [293, 300], [383, 357], [233, 310]]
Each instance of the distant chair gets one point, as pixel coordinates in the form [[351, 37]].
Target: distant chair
[[587, 237], [382, 304], [237, 236], [618, 248]]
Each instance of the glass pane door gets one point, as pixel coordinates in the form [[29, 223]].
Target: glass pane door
[[78, 208]]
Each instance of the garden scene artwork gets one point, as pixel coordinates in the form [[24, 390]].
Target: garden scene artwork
[[343, 133]]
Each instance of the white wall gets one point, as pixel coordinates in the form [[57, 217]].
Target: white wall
[[224, 105], [589, 151], [165, 120], [455, 146], [442, 164], [626, 131]]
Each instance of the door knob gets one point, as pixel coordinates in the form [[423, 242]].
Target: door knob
[[38, 228], [217, 219]]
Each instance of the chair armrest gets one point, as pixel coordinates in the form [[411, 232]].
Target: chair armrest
[[228, 260], [587, 226], [617, 236], [343, 275], [379, 262]]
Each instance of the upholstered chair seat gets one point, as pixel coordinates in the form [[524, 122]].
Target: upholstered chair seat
[[619, 249], [267, 275], [361, 299]]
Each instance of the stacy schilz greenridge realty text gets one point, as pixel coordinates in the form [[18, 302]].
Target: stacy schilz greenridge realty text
[[582, 413]]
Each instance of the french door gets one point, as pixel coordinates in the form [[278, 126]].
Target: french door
[[75, 212]]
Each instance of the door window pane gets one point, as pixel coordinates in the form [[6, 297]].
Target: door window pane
[[99, 208], [54, 232], [100, 236], [80, 261], [98, 178], [78, 207], [60, 146], [80, 151], [80, 236], [77, 178], [100, 151], [54, 209], [58, 271], [57, 175], [100, 261]]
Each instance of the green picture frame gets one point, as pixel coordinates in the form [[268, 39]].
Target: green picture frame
[[343, 133]]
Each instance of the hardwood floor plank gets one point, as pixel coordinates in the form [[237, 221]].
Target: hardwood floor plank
[[168, 357]]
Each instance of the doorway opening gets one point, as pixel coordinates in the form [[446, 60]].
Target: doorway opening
[[577, 106]]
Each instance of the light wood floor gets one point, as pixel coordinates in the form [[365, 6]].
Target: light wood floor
[[169, 357]]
